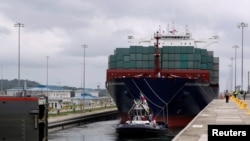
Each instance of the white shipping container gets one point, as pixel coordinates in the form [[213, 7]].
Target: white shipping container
[[210, 53], [216, 60], [216, 67], [216, 74]]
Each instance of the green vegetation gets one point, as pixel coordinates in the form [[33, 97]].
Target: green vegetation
[[8, 84]]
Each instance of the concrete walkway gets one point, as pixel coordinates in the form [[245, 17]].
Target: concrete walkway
[[235, 112], [76, 115]]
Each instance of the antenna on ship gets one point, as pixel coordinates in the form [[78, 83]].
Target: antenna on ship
[[130, 39], [212, 40], [187, 31], [157, 36]]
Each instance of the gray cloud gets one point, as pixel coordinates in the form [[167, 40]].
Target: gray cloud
[[58, 28]]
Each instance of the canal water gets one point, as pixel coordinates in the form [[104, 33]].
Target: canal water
[[101, 131]]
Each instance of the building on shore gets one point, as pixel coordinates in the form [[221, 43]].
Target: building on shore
[[56, 95], [61, 98]]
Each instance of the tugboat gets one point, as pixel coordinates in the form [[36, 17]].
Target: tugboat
[[141, 122]]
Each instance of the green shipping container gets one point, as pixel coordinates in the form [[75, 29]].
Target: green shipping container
[[145, 57], [139, 57], [177, 49], [133, 49], [197, 65], [112, 65], [126, 65], [171, 64], [190, 65], [210, 59], [165, 50], [197, 57], [126, 58], [139, 64], [164, 57], [190, 57], [132, 64], [204, 52], [119, 57], [112, 58], [132, 57], [203, 66], [210, 66], [119, 50], [145, 64], [119, 64], [151, 64], [203, 59], [145, 50], [190, 49], [184, 50], [151, 57], [197, 51], [126, 51], [177, 57], [184, 65], [184, 57], [139, 49], [177, 65], [171, 57], [151, 49], [165, 65]]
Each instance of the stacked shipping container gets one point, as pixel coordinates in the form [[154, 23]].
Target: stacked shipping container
[[171, 57]]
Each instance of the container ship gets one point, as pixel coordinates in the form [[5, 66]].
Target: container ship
[[176, 77]]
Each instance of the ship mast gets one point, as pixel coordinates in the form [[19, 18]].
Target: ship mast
[[157, 36]]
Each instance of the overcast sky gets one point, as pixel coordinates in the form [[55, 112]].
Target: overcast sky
[[58, 29]]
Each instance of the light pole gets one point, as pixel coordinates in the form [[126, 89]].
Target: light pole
[[82, 75], [229, 81], [47, 80], [1, 77], [19, 25], [84, 46], [242, 25], [232, 73], [248, 81], [235, 46]]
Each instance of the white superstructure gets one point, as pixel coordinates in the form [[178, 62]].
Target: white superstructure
[[173, 38]]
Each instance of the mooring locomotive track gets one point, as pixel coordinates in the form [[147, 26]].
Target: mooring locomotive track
[[76, 120]]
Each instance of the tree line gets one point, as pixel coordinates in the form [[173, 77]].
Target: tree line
[[9, 84]]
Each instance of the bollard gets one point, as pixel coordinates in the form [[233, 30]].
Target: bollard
[[243, 105], [238, 103]]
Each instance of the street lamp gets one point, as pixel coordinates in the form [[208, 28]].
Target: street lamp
[[242, 25], [82, 74], [84, 46], [19, 25], [47, 81], [248, 82], [232, 73], [1, 77], [235, 46]]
